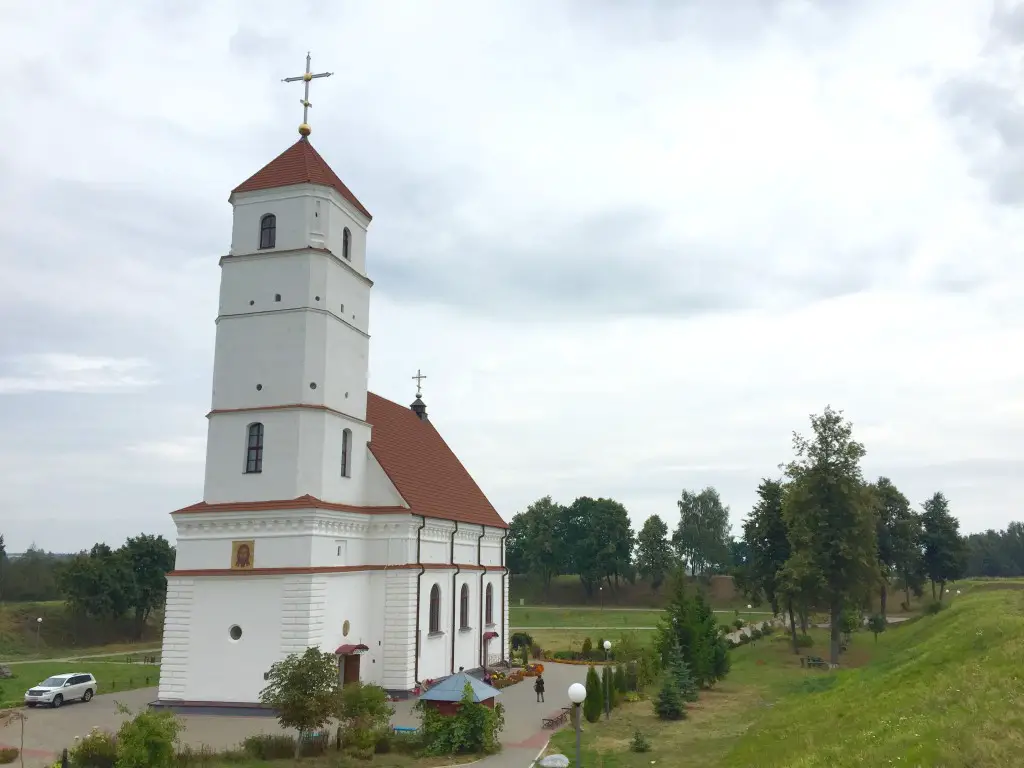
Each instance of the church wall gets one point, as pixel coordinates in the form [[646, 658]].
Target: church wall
[[226, 479], [258, 279], [344, 356], [344, 293], [269, 350], [323, 435], [377, 486], [222, 669], [291, 205], [435, 653], [356, 598], [269, 551], [340, 215]]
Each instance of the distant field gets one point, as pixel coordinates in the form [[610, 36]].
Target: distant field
[[595, 617], [111, 676]]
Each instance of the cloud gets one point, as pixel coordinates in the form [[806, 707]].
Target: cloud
[[72, 373], [633, 245]]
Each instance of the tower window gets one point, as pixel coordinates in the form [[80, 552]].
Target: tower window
[[346, 244], [464, 607], [435, 609], [489, 605], [346, 453], [254, 449], [268, 230]]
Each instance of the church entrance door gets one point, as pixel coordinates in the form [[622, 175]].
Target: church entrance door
[[350, 669]]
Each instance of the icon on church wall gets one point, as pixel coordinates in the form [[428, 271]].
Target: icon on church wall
[[345, 628], [242, 554]]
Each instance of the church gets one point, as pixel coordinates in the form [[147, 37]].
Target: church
[[331, 516]]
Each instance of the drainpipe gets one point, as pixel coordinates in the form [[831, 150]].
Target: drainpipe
[[483, 572], [419, 590], [455, 577], [504, 575]]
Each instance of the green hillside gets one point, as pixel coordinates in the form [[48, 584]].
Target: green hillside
[[946, 690]]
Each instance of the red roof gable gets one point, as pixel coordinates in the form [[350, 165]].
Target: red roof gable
[[299, 164], [423, 468]]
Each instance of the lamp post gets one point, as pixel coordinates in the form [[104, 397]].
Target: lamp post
[[608, 681], [39, 625], [600, 591], [577, 693]]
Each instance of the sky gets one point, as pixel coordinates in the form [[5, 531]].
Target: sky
[[633, 245]]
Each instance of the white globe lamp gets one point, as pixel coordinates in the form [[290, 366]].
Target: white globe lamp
[[607, 645], [577, 693]]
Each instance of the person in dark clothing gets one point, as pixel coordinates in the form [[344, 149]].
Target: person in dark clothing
[[538, 686]]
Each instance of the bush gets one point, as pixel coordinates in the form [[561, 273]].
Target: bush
[[536, 651], [804, 641], [639, 743], [739, 623], [473, 729], [266, 746], [8, 755], [96, 750], [147, 740], [521, 640], [405, 743], [201, 757], [933, 607], [619, 681], [587, 649]]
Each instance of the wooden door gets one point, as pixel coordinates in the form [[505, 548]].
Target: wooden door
[[350, 670]]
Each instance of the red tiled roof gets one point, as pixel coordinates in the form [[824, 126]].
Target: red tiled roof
[[423, 468], [299, 164]]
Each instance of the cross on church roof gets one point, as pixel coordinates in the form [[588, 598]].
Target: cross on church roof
[[418, 378], [306, 77]]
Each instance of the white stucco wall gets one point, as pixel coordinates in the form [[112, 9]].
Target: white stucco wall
[[307, 216]]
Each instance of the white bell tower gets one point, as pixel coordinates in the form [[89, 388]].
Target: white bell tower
[[290, 366]]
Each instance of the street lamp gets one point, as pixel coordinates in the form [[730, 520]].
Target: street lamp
[[577, 693], [39, 625], [600, 591], [608, 678]]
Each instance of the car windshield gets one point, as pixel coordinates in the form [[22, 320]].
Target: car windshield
[[52, 682]]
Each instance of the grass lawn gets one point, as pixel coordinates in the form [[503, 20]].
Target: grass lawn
[[941, 690], [335, 760], [111, 677], [572, 639]]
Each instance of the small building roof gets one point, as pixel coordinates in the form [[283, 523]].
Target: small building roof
[[451, 688]]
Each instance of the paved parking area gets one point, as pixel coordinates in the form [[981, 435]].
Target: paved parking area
[[48, 731]]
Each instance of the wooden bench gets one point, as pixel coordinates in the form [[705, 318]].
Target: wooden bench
[[556, 719], [813, 661]]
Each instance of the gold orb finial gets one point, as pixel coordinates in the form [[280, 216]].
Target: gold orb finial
[[305, 130], [308, 76]]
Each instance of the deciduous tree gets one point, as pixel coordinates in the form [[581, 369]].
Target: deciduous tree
[[150, 559], [654, 555], [831, 516], [893, 511], [945, 553], [702, 537], [304, 691]]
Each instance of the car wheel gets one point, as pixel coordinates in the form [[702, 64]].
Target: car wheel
[[87, 695], [57, 701], [31, 705]]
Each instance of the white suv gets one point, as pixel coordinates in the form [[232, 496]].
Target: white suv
[[60, 688]]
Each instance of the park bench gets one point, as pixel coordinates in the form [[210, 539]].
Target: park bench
[[404, 729], [813, 661], [556, 719]]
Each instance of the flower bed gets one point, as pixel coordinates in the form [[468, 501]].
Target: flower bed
[[501, 680]]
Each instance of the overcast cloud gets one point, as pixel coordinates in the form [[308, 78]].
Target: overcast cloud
[[632, 244]]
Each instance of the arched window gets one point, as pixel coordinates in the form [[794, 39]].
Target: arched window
[[464, 607], [254, 449], [489, 605], [346, 244], [346, 453], [268, 230], [435, 609]]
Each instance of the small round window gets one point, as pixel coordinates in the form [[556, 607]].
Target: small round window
[[235, 633]]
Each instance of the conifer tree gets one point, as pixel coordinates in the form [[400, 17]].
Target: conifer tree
[[670, 705], [593, 705], [620, 679], [685, 682]]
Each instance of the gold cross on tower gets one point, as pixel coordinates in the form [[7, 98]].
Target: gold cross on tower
[[418, 378], [304, 129]]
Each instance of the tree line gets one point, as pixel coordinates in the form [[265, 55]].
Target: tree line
[[594, 540], [996, 554], [103, 583], [822, 536]]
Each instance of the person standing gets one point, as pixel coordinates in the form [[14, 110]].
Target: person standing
[[538, 686]]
